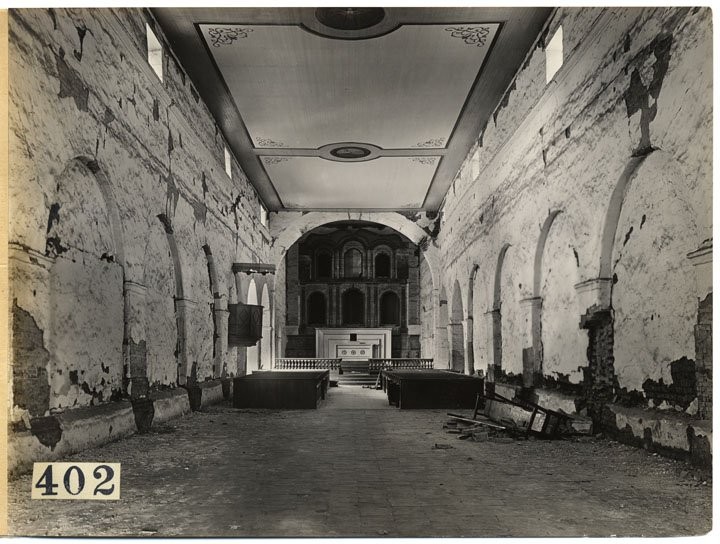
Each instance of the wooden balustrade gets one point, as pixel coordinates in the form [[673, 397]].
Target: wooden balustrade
[[306, 363], [376, 365]]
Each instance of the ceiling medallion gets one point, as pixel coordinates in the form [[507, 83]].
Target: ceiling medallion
[[350, 152], [350, 18], [226, 36], [471, 35]]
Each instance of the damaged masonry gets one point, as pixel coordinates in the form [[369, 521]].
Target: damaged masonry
[[360, 272]]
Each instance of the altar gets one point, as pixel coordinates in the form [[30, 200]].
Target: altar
[[353, 343]]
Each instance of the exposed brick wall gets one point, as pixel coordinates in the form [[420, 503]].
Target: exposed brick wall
[[31, 389], [600, 376]]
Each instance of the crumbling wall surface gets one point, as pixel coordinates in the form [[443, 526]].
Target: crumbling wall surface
[[427, 307], [514, 287], [564, 344], [653, 291], [160, 323], [117, 183], [632, 97]]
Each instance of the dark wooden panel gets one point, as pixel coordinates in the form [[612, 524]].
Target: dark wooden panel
[[281, 389], [431, 389]]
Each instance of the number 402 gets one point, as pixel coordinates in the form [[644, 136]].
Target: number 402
[[86, 481]]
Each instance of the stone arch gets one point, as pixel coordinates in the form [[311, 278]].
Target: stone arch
[[534, 373], [540, 249], [293, 227], [83, 313], [78, 204], [165, 308], [266, 342], [612, 216], [231, 357], [470, 328], [653, 291], [253, 352], [559, 345], [496, 312], [457, 340], [443, 345], [218, 308]]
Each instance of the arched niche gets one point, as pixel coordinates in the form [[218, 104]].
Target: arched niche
[[562, 344], [457, 337], [383, 265], [653, 283], [266, 343], [353, 307], [389, 309], [317, 309], [84, 312], [353, 263], [253, 352]]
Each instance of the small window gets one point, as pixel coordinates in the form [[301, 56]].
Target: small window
[[353, 263], [554, 54], [228, 162], [155, 54], [263, 215]]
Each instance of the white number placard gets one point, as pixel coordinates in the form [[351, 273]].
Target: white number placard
[[84, 481]]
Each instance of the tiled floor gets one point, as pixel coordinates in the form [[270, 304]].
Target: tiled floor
[[357, 467]]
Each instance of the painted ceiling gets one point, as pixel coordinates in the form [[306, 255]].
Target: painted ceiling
[[335, 109]]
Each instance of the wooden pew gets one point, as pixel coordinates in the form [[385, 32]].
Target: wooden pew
[[431, 388], [281, 389]]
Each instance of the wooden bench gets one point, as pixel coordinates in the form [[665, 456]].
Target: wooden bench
[[281, 389], [431, 388]]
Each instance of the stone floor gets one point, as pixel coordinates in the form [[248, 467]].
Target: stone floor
[[356, 467]]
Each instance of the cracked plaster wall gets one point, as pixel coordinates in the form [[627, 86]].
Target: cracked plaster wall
[[634, 81], [99, 148]]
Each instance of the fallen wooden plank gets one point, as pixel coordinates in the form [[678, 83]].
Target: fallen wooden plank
[[479, 422]]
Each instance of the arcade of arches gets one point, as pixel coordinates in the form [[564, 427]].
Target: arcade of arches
[[560, 246]]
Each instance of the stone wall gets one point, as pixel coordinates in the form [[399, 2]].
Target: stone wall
[[119, 203], [589, 192]]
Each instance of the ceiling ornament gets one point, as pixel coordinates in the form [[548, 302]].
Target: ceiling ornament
[[424, 160], [350, 152], [225, 36], [433, 142], [348, 18], [274, 160], [268, 142], [470, 35]]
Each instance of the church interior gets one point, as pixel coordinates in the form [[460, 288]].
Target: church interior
[[362, 272]]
